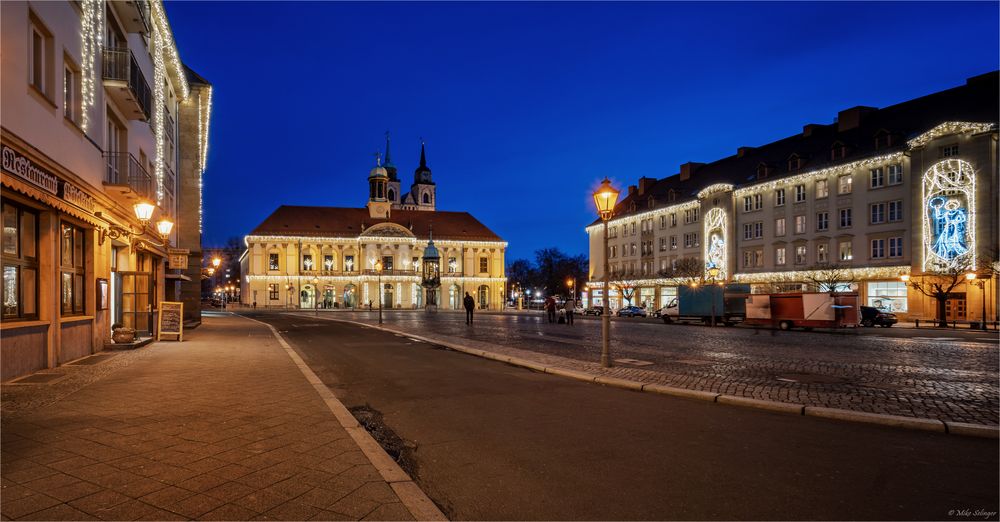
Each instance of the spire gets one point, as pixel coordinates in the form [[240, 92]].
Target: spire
[[390, 169], [423, 155], [423, 172]]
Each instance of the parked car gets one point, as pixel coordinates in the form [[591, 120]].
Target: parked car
[[871, 316], [593, 310], [632, 311]]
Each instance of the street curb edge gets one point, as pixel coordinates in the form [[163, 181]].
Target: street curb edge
[[413, 498]]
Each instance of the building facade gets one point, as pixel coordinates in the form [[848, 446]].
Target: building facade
[[98, 113], [879, 196], [325, 257]]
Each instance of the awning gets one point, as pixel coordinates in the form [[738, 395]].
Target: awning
[[179, 277]]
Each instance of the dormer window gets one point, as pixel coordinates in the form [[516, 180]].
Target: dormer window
[[883, 139], [763, 171], [651, 202], [671, 196], [794, 162], [631, 207], [838, 151]]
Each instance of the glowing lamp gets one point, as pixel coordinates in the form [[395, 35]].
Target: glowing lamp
[[216, 262], [605, 198], [970, 276], [143, 210], [164, 226], [378, 266], [904, 278]]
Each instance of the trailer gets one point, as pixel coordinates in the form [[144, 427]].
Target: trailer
[[802, 310], [701, 303]]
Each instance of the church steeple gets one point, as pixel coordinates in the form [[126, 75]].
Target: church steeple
[[423, 172], [390, 169], [378, 201]]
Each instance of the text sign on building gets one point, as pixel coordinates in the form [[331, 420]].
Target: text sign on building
[[178, 261], [171, 320], [26, 169]]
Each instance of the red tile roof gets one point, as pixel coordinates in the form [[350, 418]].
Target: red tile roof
[[350, 222]]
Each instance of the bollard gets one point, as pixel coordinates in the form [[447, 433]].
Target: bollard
[[917, 323]]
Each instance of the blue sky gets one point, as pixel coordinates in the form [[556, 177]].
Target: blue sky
[[526, 106]]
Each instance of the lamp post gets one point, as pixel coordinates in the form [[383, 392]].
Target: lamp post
[[981, 283], [378, 270], [571, 283], [605, 198], [316, 296], [712, 274]]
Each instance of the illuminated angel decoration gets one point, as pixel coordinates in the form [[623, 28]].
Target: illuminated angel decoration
[[716, 252], [949, 220]]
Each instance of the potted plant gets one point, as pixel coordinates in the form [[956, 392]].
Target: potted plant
[[122, 335]]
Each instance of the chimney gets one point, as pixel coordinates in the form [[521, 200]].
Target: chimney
[[631, 190], [807, 130], [852, 118], [742, 151], [645, 184], [689, 168]]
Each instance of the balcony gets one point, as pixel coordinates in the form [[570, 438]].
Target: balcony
[[125, 83], [134, 15], [125, 178], [392, 272]]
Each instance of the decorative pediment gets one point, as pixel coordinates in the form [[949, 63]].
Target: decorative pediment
[[387, 230]]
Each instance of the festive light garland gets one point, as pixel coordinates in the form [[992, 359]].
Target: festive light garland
[[167, 45], [859, 274], [204, 118], [679, 207], [846, 168], [91, 46], [949, 227], [711, 189], [159, 121], [371, 239], [949, 127]]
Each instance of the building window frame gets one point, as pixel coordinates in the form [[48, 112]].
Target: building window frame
[[19, 294], [72, 269]]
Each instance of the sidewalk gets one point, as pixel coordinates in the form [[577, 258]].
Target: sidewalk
[[223, 426]]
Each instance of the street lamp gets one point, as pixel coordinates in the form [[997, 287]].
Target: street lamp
[[713, 272], [605, 198], [378, 270], [216, 262], [981, 283], [571, 283], [316, 296]]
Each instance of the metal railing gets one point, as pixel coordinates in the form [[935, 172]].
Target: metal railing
[[124, 169], [120, 65], [392, 272]]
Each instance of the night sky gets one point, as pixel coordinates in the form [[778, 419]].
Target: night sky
[[526, 106]]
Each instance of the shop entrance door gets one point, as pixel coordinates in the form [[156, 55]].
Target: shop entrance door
[[134, 297]]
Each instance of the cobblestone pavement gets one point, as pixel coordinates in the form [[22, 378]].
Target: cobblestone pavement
[[220, 427], [944, 378]]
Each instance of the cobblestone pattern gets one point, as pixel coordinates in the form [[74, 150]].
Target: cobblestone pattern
[[946, 380], [220, 427]]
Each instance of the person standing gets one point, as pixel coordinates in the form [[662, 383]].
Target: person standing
[[550, 308], [570, 307], [470, 305]]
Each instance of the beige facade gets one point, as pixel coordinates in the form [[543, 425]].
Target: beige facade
[[871, 217], [326, 258], [91, 123]]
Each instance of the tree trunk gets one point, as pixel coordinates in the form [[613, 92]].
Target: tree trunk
[[942, 319]]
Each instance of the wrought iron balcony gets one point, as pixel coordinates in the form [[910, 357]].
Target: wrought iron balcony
[[126, 84], [127, 175]]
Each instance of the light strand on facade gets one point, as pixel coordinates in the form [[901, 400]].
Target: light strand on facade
[[948, 194], [950, 127], [711, 189], [371, 239], [837, 170], [161, 24], [91, 45], [859, 273], [159, 98]]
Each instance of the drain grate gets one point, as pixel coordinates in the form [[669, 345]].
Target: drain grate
[[92, 360], [39, 378]]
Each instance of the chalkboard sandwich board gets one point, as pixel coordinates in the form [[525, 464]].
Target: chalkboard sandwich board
[[171, 320]]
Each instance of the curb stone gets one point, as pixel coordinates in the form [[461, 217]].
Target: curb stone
[[413, 498], [895, 421]]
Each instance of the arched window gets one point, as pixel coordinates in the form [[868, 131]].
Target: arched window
[[427, 198], [392, 195]]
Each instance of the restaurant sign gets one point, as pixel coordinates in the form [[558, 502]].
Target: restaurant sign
[[22, 167]]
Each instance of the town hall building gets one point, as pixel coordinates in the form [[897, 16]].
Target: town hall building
[[325, 257]]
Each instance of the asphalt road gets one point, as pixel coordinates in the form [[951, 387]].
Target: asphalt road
[[493, 441], [949, 377]]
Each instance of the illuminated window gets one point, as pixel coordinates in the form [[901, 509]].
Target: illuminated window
[[349, 263], [779, 256], [452, 265], [949, 150], [20, 262], [72, 268], [779, 227], [844, 184], [673, 219], [272, 291], [484, 265], [822, 188], [800, 224], [307, 261], [673, 242], [272, 261], [821, 254], [888, 296], [846, 251], [800, 255]]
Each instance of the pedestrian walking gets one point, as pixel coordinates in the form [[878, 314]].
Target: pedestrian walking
[[570, 307], [470, 305], [550, 309]]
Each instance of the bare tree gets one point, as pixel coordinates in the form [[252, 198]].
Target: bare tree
[[938, 285], [833, 277], [684, 271], [625, 282]]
